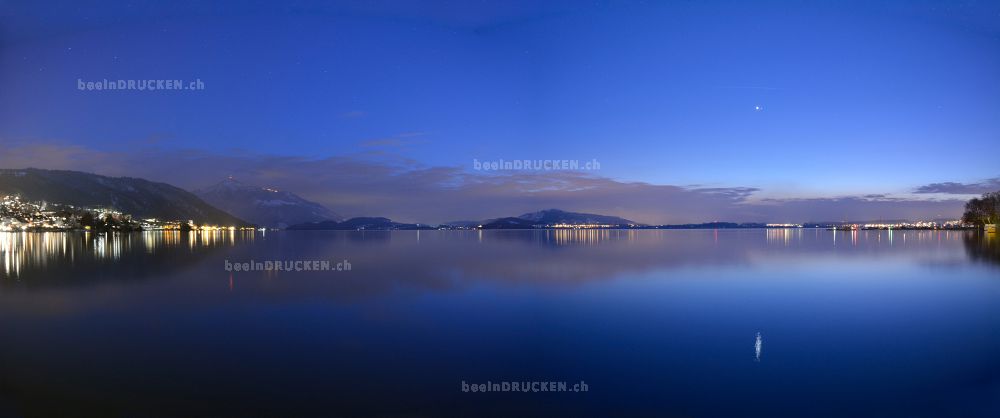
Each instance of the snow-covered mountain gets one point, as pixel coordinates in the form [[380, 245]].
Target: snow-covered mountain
[[263, 205]]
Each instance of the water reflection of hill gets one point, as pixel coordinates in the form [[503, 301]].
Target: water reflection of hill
[[983, 247], [386, 260], [452, 260], [555, 238]]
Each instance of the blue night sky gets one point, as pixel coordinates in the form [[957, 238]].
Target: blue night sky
[[867, 108]]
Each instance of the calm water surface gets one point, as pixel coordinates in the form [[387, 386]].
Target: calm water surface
[[656, 323]]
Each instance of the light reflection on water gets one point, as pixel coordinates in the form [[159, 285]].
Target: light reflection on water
[[757, 345], [655, 321], [36, 250], [597, 253]]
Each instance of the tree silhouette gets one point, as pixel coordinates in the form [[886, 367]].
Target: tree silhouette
[[983, 210]]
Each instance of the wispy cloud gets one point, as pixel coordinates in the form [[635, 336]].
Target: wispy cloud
[[988, 185], [737, 193], [409, 191]]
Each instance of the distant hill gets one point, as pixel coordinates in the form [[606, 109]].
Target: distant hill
[[357, 224], [138, 197], [508, 223], [556, 216], [264, 206], [545, 218]]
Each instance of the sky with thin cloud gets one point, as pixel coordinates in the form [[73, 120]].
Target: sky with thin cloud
[[404, 190], [697, 111]]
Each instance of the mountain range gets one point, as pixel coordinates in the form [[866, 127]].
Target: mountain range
[[551, 217], [532, 220], [137, 197], [231, 202], [264, 206], [556, 216]]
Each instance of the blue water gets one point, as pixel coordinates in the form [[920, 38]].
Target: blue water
[[656, 323]]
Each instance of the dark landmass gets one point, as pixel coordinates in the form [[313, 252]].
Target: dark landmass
[[137, 197], [548, 218], [509, 223], [556, 216]]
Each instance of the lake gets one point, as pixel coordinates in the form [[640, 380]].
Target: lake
[[724, 323]]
